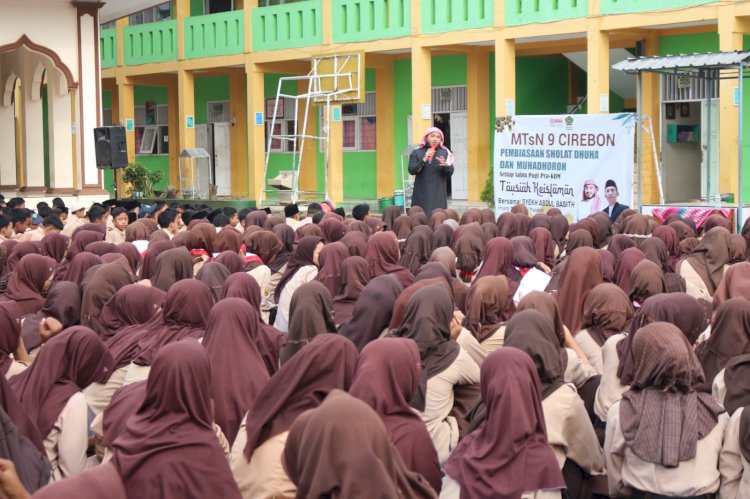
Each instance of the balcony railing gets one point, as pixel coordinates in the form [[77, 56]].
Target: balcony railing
[[291, 25], [626, 6], [108, 48], [363, 20], [215, 34], [542, 11], [152, 42], [451, 15]]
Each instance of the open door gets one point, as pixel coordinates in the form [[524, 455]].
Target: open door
[[222, 159], [710, 182], [460, 150]]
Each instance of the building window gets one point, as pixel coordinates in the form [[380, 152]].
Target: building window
[[283, 125], [268, 3], [359, 131], [161, 12], [151, 129]]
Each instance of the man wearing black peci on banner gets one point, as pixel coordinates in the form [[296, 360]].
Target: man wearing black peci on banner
[[610, 193]]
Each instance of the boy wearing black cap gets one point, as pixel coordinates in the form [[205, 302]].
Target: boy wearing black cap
[[291, 212], [614, 209]]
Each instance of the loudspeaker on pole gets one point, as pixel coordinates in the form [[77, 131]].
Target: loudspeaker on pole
[[111, 147]]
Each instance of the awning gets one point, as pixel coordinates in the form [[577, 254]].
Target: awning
[[683, 63]]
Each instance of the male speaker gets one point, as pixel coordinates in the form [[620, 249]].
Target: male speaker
[[111, 147]]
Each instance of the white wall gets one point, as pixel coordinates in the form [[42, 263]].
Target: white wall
[[51, 23]]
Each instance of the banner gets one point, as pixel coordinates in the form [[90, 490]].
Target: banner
[[564, 162]]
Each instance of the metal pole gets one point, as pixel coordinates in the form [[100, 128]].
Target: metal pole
[[740, 221], [709, 95], [639, 131]]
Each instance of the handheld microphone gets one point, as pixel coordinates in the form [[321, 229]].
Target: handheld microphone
[[432, 151]]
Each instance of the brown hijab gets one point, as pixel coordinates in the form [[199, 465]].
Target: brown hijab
[[331, 259], [99, 286], [679, 309], [671, 241], [232, 261], [387, 376], [266, 245], [238, 370], [607, 311], [227, 239], [559, 229], [545, 304], [26, 285], [656, 251], [508, 225], [63, 302], [269, 340], [373, 310], [169, 444], [661, 398], [333, 230], [543, 245], [442, 236], [355, 274], [311, 314], [524, 252], [624, 267], [10, 334], [301, 257], [737, 248], [533, 333], [717, 221], [730, 336], [579, 238], [131, 305], [347, 433], [19, 251], [417, 249], [356, 242], [682, 229], [184, 315], [710, 256], [382, 253], [734, 283], [498, 258], [646, 280], [172, 266], [509, 453], [301, 384], [582, 273], [213, 275], [69, 362], [618, 244], [427, 321], [485, 306], [150, 256], [55, 246], [286, 236]]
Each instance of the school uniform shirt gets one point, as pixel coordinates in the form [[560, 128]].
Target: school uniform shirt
[[115, 236], [719, 388], [610, 390], [569, 430], [451, 489], [733, 467], [71, 224], [263, 476], [591, 350], [262, 275], [15, 368], [303, 275], [99, 395], [67, 442], [694, 285], [443, 429], [693, 477]]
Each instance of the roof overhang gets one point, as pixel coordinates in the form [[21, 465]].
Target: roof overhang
[[115, 9], [708, 65]]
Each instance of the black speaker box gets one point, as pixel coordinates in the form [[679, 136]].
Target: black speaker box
[[111, 147]]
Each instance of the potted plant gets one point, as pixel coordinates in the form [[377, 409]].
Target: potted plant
[[141, 180]]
